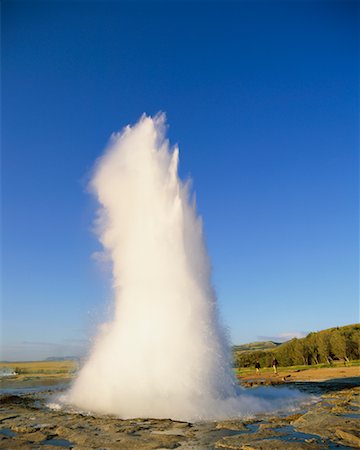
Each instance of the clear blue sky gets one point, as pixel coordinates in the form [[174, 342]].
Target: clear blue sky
[[263, 99]]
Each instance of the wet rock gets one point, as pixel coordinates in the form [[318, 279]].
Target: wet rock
[[232, 425], [37, 436], [38, 426], [271, 426], [238, 441], [9, 443], [16, 400], [171, 432], [83, 448], [350, 437], [280, 420], [61, 430], [4, 417], [252, 421], [292, 417], [24, 428], [131, 429], [147, 443], [339, 410], [125, 435], [45, 427], [181, 424], [75, 447], [277, 444], [324, 424]]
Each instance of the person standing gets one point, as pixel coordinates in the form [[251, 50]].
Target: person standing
[[275, 365], [257, 366]]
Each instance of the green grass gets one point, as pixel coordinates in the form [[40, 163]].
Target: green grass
[[42, 368], [251, 370]]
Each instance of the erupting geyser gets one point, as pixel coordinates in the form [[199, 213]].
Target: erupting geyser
[[165, 353]]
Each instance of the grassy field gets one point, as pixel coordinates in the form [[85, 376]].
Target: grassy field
[[66, 369], [251, 370], [42, 368]]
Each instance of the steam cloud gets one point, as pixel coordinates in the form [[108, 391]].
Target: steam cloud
[[165, 354]]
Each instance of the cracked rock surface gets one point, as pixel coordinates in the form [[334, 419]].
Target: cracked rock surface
[[333, 422]]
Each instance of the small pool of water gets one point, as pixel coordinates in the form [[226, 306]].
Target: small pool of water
[[7, 432], [292, 435], [18, 390], [58, 443], [351, 415]]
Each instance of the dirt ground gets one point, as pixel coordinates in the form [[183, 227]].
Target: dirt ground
[[305, 375]]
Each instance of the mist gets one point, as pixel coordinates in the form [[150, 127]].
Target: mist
[[165, 353]]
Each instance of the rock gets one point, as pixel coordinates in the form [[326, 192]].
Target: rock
[[61, 430], [339, 410], [38, 436], [181, 424], [292, 417], [148, 443], [131, 429], [81, 448], [9, 443], [24, 428], [37, 427], [251, 421], [349, 437], [238, 443], [239, 440], [232, 425], [270, 426], [4, 417], [45, 426], [171, 432], [277, 444], [123, 435], [322, 423], [16, 400]]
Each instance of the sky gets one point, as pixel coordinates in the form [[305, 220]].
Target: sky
[[262, 98]]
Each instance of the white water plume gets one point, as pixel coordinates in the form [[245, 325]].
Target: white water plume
[[165, 353]]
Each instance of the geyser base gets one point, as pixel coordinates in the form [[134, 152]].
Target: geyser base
[[245, 404], [315, 427]]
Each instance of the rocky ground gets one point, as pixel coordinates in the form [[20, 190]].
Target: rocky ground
[[332, 422]]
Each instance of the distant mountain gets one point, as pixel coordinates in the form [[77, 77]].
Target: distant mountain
[[254, 346], [61, 358]]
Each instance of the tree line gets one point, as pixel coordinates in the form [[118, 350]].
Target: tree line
[[327, 346]]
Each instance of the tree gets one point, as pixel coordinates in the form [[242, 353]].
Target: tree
[[301, 352], [338, 345], [312, 343], [352, 344], [285, 353], [324, 347]]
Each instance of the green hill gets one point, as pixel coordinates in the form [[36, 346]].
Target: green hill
[[253, 346], [326, 346]]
